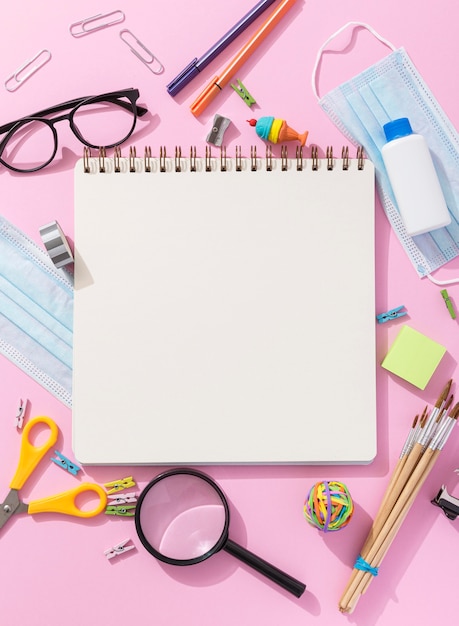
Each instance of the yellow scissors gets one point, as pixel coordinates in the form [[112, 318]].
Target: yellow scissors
[[30, 456]]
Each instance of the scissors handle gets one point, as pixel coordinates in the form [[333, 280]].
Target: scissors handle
[[66, 502], [31, 455]]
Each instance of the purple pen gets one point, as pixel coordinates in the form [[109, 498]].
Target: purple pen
[[197, 65]]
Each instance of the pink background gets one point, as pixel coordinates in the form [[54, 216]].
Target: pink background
[[53, 568]]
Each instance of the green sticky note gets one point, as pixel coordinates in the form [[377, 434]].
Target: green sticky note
[[414, 357]]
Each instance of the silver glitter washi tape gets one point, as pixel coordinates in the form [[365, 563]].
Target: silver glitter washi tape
[[56, 244]]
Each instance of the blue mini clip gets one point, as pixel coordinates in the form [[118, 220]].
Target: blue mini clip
[[65, 463], [391, 315]]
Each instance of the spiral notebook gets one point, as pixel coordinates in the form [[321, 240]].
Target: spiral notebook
[[224, 309]]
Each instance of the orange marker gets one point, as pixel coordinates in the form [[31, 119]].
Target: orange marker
[[217, 84]]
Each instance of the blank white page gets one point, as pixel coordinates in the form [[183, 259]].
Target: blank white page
[[224, 316]]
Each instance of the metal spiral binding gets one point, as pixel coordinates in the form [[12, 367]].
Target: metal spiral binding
[[253, 158], [254, 163], [284, 158], [147, 159], [299, 158], [345, 157], [208, 159], [238, 159], [116, 159], [132, 156], [162, 159], [86, 157], [269, 158], [102, 155], [314, 157], [193, 158], [329, 155], [178, 156], [223, 159], [360, 158]]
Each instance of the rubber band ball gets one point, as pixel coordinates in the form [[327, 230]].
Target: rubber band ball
[[329, 506]]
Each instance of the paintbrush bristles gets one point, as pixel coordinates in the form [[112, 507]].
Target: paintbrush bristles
[[444, 394], [426, 438]]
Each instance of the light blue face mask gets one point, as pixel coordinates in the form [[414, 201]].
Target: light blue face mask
[[390, 89], [36, 312]]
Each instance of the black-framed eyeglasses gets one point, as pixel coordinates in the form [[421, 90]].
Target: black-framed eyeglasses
[[30, 143]]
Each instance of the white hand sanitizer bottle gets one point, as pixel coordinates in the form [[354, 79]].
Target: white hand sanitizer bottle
[[413, 179]]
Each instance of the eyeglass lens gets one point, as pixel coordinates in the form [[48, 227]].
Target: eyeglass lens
[[32, 144], [103, 123]]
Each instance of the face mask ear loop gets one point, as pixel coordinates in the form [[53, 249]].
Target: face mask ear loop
[[338, 32], [452, 281]]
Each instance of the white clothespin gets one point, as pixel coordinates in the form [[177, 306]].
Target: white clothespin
[[21, 412], [124, 499], [120, 548]]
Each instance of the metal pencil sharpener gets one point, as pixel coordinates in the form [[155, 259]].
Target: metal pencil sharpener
[[449, 504]]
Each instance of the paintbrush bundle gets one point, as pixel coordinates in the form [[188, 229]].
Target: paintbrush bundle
[[425, 440]]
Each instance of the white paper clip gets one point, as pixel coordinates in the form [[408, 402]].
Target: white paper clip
[[31, 66], [124, 499], [146, 61], [21, 412], [92, 24], [120, 548]]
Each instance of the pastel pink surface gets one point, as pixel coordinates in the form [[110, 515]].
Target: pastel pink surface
[[62, 558]]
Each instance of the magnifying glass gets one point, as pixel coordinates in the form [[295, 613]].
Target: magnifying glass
[[182, 518]]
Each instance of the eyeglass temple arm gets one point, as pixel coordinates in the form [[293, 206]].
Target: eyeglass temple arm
[[140, 111]]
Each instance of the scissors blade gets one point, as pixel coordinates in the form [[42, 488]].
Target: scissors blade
[[11, 506]]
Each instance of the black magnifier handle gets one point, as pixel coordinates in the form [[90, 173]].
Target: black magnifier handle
[[273, 573]]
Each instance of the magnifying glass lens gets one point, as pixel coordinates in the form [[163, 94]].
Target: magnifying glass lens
[[182, 517]]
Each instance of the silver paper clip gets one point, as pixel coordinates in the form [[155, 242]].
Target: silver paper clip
[[148, 61], [120, 548], [31, 66], [92, 24]]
